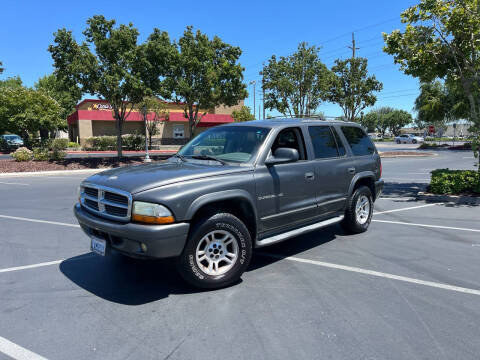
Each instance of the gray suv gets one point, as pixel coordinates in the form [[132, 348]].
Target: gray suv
[[231, 189]]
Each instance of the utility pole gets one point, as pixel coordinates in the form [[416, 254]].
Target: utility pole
[[253, 82], [353, 46]]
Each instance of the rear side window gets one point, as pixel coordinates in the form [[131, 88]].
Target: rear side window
[[341, 148], [323, 140], [358, 140]]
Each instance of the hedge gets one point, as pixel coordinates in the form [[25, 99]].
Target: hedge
[[102, 143], [445, 181]]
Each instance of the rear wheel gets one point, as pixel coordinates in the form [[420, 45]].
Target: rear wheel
[[398, 141], [217, 253], [359, 211], [414, 141]]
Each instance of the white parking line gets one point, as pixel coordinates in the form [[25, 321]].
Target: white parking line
[[425, 225], [17, 352], [38, 221], [378, 274], [16, 268], [9, 183], [402, 209]]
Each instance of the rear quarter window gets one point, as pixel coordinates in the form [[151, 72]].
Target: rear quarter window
[[358, 140]]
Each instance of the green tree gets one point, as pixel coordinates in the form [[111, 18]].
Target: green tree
[[396, 120], [369, 121], [108, 64], [352, 89], [1, 68], [205, 73], [27, 111], [11, 82], [442, 41], [156, 112], [243, 114], [66, 96], [432, 105], [296, 85]]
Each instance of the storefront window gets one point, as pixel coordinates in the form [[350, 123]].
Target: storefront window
[[178, 131]]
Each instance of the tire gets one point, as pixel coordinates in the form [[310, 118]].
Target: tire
[[357, 223], [218, 251], [398, 141], [414, 141]]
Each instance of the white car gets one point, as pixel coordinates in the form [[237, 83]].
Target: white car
[[409, 139]]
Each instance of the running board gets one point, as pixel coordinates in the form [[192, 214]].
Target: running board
[[292, 233]]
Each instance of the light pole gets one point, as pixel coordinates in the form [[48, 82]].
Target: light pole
[[144, 112], [253, 82]]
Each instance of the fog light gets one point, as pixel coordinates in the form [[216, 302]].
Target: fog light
[[143, 247]]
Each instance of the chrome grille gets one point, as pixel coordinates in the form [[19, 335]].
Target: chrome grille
[[106, 202]]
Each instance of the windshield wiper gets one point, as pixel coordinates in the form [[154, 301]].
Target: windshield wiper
[[208, 157], [181, 157]]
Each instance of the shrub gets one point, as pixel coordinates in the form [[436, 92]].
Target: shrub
[[57, 155], [445, 181], [22, 154], [40, 154], [73, 145], [134, 142], [101, 143], [59, 144]]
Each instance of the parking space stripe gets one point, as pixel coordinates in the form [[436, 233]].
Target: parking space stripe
[[9, 183], [377, 274], [425, 225], [16, 268], [38, 221], [403, 209], [17, 352]]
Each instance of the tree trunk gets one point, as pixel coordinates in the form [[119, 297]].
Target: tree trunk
[[119, 126]]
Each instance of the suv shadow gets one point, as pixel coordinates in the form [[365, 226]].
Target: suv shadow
[[128, 281]]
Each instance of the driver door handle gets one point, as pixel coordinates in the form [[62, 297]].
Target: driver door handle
[[309, 176]]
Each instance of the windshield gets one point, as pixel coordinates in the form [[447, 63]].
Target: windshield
[[229, 143], [11, 137]]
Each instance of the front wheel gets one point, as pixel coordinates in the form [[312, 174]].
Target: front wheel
[[358, 214], [218, 251], [414, 141], [398, 141]]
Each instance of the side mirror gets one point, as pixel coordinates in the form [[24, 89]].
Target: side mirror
[[283, 155]]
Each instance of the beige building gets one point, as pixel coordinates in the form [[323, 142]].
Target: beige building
[[95, 118]]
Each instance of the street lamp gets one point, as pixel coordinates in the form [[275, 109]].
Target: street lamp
[[253, 82], [144, 112]]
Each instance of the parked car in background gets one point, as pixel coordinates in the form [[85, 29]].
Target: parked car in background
[[231, 189], [409, 139], [10, 142], [375, 136]]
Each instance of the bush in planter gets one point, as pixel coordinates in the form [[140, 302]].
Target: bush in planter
[[60, 144], [134, 142], [445, 181], [57, 155], [22, 154], [101, 143], [41, 154], [73, 145]]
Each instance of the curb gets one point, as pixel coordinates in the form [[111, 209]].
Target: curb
[[52, 172], [387, 156], [456, 199]]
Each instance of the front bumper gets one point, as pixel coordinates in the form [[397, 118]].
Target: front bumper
[[161, 241], [378, 188]]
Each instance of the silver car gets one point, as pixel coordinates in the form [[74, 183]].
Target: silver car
[[409, 139]]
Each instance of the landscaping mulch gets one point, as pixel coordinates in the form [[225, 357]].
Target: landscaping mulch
[[10, 166]]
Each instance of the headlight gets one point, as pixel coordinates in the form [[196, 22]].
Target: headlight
[[151, 213], [79, 192]]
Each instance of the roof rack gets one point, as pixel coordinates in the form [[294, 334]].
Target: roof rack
[[307, 117]]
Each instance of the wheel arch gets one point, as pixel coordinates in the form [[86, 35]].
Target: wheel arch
[[236, 202], [366, 178]]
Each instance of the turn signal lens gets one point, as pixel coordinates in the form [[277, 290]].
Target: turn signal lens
[[151, 213]]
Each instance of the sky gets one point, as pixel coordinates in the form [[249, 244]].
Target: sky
[[259, 28]]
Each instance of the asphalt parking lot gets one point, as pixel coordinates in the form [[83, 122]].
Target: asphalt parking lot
[[409, 288]]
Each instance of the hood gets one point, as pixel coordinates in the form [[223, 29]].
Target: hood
[[139, 178]]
